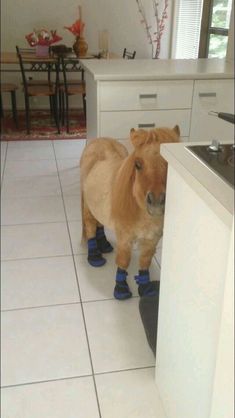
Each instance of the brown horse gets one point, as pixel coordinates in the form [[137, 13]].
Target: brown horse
[[125, 193]]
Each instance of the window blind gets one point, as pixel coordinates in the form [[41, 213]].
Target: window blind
[[186, 30]]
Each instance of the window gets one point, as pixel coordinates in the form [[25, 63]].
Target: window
[[186, 28], [200, 28], [214, 28]]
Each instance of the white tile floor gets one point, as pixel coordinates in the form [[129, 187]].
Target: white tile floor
[[68, 348]]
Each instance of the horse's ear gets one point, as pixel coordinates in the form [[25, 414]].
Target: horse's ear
[[138, 137], [177, 130]]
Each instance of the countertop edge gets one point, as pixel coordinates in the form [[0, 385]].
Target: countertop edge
[[164, 69], [213, 189], [215, 76]]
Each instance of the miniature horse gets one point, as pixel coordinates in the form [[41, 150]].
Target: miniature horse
[[125, 193]]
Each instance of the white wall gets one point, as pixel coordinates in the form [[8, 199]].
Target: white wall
[[120, 17]]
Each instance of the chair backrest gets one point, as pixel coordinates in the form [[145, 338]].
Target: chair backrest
[[21, 67], [70, 65], [128, 55], [29, 62]]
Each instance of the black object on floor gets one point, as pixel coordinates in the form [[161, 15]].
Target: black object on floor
[[148, 307]]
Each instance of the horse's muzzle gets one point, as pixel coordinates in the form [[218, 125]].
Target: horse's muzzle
[[155, 205]]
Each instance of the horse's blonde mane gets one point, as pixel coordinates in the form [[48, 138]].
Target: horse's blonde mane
[[124, 206]]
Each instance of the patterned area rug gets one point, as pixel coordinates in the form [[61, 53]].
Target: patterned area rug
[[42, 126]]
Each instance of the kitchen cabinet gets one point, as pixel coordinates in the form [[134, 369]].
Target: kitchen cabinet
[[125, 94], [195, 326], [215, 95], [144, 104]]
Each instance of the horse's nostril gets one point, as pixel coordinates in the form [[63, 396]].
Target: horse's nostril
[[162, 198], [150, 198]]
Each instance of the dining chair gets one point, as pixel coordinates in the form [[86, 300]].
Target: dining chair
[[67, 88], [35, 81], [41, 88], [31, 80], [10, 88], [128, 55]]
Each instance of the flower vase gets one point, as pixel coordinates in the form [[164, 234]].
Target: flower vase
[[80, 46], [42, 50]]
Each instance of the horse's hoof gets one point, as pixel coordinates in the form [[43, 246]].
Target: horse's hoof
[[102, 243], [107, 249], [122, 291], [148, 289], [104, 246], [96, 261]]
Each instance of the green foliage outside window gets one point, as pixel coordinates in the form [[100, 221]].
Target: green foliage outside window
[[220, 19], [217, 46], [220, 14]]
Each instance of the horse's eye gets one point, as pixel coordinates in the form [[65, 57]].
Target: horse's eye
[[138, 165]]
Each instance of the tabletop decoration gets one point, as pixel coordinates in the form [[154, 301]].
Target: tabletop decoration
[[77, 28], [42, 39]]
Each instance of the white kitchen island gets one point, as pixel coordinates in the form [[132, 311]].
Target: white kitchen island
[[194, 360], [144, 93]]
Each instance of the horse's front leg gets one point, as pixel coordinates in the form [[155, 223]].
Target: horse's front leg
[[123, 257], [147, 250]]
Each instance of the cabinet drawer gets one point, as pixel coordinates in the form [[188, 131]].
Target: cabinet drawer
[[118, 124], [145, 95], [216, 95]]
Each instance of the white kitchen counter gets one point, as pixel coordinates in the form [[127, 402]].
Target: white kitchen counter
[[147, 69], [146, 93], [194, 362], [218, 194]]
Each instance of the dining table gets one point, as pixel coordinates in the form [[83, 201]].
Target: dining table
[[9, 61]]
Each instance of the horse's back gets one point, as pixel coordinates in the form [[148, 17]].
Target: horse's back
[[99, 164], [99, 150]]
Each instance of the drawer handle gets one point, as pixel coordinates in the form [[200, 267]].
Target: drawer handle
[[148, 96], [210, 94], [146, 125]]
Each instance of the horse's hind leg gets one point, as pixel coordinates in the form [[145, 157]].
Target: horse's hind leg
[[102, 242], [90, 224]]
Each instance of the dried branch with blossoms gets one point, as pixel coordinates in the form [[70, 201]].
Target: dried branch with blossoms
[[154, 36]]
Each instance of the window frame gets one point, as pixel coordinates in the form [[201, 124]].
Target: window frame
[[207, 29]]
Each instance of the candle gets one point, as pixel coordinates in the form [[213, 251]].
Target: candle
[[80, 12], [104, 41]]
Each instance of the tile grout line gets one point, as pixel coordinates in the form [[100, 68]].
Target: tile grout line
[[41, 306], [82, 309], [7, 260], [4, 166], [62, 304], [44, 381], [76, 377]]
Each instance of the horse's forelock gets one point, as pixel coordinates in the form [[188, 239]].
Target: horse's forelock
[[159, 135]]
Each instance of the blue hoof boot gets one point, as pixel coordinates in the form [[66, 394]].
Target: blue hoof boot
[[96, 260], [102, 243], [148, 289], [104, 246], [122, 291]]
